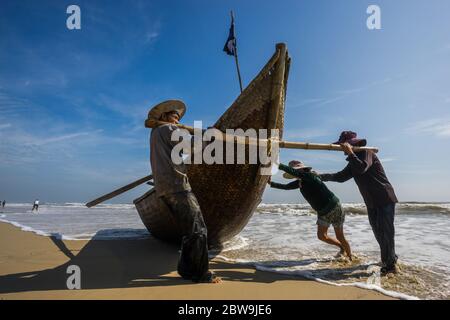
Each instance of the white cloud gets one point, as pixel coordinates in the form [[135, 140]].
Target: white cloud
[[20, 146], [318, 102], [435, 127], [341, 94], [305, 102], [60, 138], [5, 125]]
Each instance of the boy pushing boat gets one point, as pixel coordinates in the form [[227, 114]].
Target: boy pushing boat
[[322, 200]]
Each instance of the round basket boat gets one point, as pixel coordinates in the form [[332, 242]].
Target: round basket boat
[[229, 193]]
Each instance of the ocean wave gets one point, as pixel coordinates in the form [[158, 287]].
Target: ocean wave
[[236, 243], [362, 285], [83, 206], [115, 206], [40, 232], [424, 207], [26, 228], [270, 208], [308, 274], [72, 205], [109, 234], [293, 209], [354, 208]]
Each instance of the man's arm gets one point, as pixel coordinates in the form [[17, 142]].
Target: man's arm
[[291, 171], [362, 162], [165, 134], [290, 186], [340, 176]]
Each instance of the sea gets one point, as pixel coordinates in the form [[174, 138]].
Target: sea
[[281, 238]]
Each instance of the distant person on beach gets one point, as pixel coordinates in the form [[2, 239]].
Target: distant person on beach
[[322, 200], [35, 205], [378, 194], [172, 186], [3, 203]]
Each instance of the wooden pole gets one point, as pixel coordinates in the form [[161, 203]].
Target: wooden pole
[[236, 54], [319, 146], [282, 144], [118, 191], [238, 71]]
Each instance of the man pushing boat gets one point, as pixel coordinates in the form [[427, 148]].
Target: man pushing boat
[[322, 200], [378, 194], [172, 186]]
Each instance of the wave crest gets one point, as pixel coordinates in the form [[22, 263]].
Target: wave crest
[[355, 208]]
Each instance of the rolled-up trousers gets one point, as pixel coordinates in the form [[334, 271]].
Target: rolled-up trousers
[[193, 261], [382, 222]]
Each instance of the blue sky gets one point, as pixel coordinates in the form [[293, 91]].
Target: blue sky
[[73, 102]]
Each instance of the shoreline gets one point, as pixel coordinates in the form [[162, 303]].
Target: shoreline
[[35, 267]]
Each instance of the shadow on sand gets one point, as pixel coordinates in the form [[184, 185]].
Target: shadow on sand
[[107, 264]]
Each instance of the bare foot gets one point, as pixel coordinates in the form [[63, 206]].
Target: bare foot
[[216, 280], [389, 272], [210, 277], [340, 254]]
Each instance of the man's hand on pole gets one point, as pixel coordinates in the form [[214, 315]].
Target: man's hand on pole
[[347, 148]]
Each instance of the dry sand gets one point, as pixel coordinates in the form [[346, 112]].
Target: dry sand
[[35, 267]]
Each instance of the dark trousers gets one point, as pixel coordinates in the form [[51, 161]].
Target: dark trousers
[[193, 262], [382, 222]]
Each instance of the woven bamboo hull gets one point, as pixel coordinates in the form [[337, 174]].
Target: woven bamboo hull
[[229, 194]]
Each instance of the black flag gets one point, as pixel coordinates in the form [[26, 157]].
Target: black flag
[[230, 45], [231, 49]]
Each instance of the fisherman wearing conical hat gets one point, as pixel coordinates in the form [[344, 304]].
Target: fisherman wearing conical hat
[[378, 194], [172, 186], [321, 199]]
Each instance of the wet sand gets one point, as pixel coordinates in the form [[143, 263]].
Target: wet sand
[[35, 267]]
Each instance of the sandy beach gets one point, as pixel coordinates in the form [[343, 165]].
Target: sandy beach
[[35, 267]]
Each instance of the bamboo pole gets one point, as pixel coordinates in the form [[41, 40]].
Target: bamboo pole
[[118, 191], [282, 144], [239, 139], [320, 146]]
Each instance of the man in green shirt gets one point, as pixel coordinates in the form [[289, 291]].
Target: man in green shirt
[[322, 200]]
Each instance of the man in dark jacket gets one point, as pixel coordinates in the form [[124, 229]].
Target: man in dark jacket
[[321, 199], [378, 194]]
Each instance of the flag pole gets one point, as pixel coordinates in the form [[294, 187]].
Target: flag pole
[[236, 54]]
